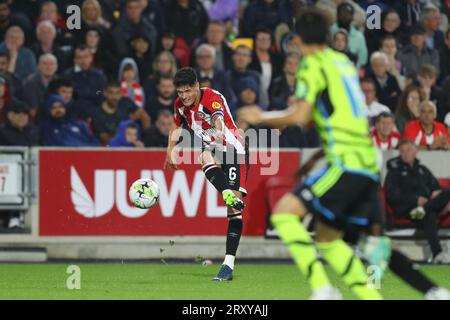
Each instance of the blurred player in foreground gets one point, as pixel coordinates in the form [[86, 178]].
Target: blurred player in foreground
[[224, 156]]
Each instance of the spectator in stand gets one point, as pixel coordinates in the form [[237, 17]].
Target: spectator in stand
[[164, 64], [408, 106], [356, 40], [59, 129], [374, 108], [247, 92], [45, 36], [388, 89], [131, 23], [390, 27], [103, 58], [22, 60], [426, 80], [63, 87], [414, 55], [445, 98], [129, 81], [242, 57], [164, 98], [128, 135], [425, 132], [17, 130], [154, 11], [266, 62], [8, 19], [330, 8], [265, 13], [209, 76], [340, 43], [187, 19], [384, 135], [431, 17], [91, 16], [389, 48], [88, 82], [157, 136], [5, 97], [414, 193], [410, 12], [284, 86], [49, 11], [215, 36], [142, 54], [226, 11], [36, 84], [15, 84], [113, 110], [444, 57]]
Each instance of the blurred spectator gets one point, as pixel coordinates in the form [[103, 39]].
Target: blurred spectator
[[410, 12], [59, 129], [408, 106], [340, 43], [17, 129], [265, 13], [414, 193], [187, 19], [164, 98], [22, 60], [389, 48], [112, 111], [425, 132], [8, 19], [163, 64], [247, 92], [158, 135], [178, 47], [434, 38], [208, 76], [142, 54], [356, 40], [133, 22], [88, 81], [284, 86], [384, 135], [111, 10], [103, 58], [426, 79], [444, 57], [444, 105], [390, 26], [215, 36], [15, 84], [414, 55], [330, 8], [49, 11], [129, 81], [63, 87], [91, 15], [153, 11], [128, 135], [45, 36], [5, 97], [374, 108], [386, 84], [36, 84], [242, 57], [266, 62], [227, 12]]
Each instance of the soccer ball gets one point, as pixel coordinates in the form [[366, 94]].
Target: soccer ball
[[144, 193]]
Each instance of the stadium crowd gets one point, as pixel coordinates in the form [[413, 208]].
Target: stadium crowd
[[110, 83]]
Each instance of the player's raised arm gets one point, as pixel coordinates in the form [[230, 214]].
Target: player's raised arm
[[297, 114]]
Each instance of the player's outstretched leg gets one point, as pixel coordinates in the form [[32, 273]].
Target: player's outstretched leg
[[344, 262], [286, 220], [234, 233]]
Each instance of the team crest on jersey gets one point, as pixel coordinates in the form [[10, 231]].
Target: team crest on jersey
[[201, 115], [216, 105]]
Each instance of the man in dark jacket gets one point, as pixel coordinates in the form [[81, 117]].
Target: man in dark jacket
[[158, 135], [17, 129], [413, 192]]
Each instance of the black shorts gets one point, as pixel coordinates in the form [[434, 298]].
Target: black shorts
[[234, 165], [342, 199]]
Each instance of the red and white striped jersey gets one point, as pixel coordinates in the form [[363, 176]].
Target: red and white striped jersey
[[199, 118]]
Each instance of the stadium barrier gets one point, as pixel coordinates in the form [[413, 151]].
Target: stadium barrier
[[81, 208]]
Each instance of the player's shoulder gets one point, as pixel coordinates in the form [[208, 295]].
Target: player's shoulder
[[177, 103], [212, 98]]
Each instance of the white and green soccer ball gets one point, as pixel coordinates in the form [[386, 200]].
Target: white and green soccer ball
[[144, 193]]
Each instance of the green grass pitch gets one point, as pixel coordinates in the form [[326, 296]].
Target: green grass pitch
[[179, 281]]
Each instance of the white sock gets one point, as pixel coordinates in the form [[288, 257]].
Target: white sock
[[229, 261]]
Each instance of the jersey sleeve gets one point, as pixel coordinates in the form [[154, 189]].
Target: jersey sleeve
[[176, 115], [215, 105], [309, 82]]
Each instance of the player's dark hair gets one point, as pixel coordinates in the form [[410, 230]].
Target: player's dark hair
[[313, 27], [185, 77]]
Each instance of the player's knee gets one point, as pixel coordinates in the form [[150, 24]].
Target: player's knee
[[325, 233]]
